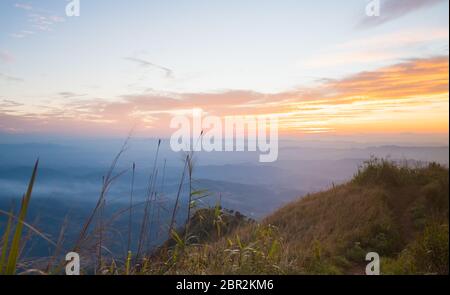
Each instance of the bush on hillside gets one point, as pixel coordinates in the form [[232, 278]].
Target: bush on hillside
[[428, 254]]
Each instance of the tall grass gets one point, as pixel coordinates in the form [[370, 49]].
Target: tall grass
[[12, 256], [5, 240], [325, 233], [143, 236], [130, 218]]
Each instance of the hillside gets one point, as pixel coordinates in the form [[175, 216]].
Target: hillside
[[399, 212]]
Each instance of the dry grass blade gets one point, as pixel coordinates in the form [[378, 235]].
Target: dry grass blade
[[130, 218], [143, 234], [105, 185], [59, 244], [177, 200], [29, 226]]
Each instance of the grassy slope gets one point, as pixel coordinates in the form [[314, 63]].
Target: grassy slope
[[401, 213], [385, 209]]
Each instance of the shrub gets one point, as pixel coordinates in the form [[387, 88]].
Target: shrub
[[431, 250], [426, 255]]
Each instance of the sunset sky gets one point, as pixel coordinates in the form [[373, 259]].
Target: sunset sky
[[321, 66]]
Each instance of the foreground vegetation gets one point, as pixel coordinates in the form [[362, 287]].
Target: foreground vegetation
[[397, 211]]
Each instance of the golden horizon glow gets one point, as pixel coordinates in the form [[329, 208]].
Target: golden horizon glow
[[409, 97]]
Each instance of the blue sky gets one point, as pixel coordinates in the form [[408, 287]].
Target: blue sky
[[119, 48]]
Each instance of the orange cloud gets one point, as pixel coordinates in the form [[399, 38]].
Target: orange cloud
[[408, 97]]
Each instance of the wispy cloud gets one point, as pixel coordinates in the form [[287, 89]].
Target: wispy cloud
[[393, 9], [44, 22], [38, 19], [68, 94], [389, 47], [147, 64], [23, 6], [22, 34], [9, 78], [7, 103]]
